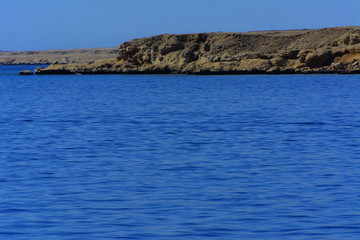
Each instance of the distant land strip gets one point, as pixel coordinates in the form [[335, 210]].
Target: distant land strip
[[61, 56], [328, 50]]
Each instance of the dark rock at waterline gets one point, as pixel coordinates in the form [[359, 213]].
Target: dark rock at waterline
[[26, 72]]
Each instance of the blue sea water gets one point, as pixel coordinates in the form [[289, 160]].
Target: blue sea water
[[179, 157]]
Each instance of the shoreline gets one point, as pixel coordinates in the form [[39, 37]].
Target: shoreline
[[290, 72], [47, 57], [317, 51]]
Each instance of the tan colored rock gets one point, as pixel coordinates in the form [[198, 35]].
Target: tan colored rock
[[354, 39], [319, 58], [302, 51]]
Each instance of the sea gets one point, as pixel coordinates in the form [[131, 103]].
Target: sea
[[179, 156]]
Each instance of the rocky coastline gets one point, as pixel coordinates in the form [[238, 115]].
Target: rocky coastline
[[329, 50]]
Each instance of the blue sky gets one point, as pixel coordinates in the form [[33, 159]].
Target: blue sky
[[66, 24]]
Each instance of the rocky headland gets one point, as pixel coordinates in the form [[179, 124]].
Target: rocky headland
[[329, 50]]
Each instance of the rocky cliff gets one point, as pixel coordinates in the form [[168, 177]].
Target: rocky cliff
[[329, 50]]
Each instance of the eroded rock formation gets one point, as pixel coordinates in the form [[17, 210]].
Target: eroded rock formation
[[329, 50]]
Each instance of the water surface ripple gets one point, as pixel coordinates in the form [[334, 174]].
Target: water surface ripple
[[179, 157]]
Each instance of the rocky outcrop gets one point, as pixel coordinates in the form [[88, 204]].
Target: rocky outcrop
[[329, 50], [26, 72]]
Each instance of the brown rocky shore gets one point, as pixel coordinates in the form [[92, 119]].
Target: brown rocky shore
[[329, 50]]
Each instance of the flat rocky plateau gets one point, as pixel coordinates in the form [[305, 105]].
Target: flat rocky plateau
[[57, 56], [329, 50]]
